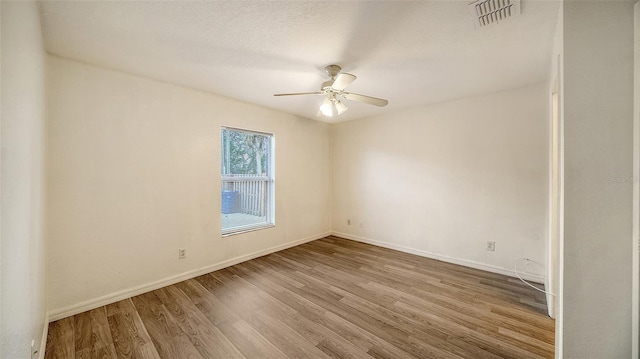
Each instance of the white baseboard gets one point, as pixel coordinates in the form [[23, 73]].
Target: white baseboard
[[551, 307], [444, 258], [131, 292], [43, 341]]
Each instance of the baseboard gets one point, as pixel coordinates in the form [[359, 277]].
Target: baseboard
[[551, 308], [43, 341], [131, 292], [444, 258]]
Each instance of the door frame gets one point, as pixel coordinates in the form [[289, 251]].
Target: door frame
[[555, 199], [635, 325]]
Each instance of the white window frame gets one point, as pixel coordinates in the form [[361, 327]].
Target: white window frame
[[268, 179]]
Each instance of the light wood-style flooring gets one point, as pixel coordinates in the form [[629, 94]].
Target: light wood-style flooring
[[330, 298]]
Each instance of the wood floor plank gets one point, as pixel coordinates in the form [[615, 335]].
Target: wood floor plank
[[205, 337], [92, 335], [330, 298], [249, 341], [210, 305], [61, 340], [125, 342], [284, 338], [130, 337], [168, 338]]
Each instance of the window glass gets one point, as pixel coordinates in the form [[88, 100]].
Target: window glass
[[247, 180]]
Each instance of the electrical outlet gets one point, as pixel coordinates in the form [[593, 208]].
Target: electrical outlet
[[361, 224], [348, 222], [491, 246], [182, 253]]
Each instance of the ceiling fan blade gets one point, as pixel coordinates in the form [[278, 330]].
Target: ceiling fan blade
[[299, 93], [342, 81], [366, 99]]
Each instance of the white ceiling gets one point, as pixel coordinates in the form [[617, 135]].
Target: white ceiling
[[411, 53]]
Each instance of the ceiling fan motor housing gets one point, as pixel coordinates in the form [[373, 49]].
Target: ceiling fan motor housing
[[332, 71]]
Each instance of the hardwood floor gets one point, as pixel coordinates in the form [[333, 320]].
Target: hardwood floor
[[331, 298]]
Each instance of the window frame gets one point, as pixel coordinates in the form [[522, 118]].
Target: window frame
[[268, 179]]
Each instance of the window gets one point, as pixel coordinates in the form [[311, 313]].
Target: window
[[247, 181]]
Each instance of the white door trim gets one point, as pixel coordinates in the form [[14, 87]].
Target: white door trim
[[635, 325]]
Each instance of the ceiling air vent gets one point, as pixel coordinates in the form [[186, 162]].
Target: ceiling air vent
[[487, 12]]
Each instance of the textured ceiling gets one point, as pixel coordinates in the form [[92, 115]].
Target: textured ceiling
[[411, 53]]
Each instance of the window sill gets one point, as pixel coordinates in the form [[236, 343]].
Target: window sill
[[241, 230]]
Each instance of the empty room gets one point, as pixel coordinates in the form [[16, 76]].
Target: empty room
[[319, 179]]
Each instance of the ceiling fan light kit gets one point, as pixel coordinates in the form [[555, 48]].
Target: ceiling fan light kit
[[334, 90], [331, 106]]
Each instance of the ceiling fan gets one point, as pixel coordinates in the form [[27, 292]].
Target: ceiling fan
[[334, 90]]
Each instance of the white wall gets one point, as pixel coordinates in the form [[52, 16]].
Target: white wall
[[443, 180], [22, 180], [598, 153], [134, 174]]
